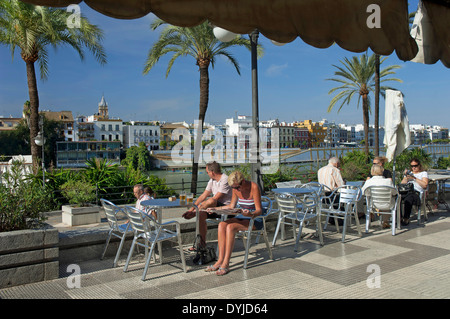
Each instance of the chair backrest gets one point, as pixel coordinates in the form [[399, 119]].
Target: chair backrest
[[266, 204], [308, 204], [349, 194], [381, 197], [287, 203], [111, 211], [139, 220]]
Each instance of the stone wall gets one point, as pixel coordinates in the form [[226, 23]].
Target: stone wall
[[28, 256]]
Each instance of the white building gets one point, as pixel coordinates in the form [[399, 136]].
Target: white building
[[138, 132], [99, 127]]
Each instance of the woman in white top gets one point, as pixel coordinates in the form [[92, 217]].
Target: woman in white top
[[419, 178], [378, 179]]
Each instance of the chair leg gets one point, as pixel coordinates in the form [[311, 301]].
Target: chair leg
[[147, 262], [299, 235], [247, 248], [319, 230], [358, 225], [106, 244], [130, 254], [344, 228], [183, 260], [119, 250], [280, 220], [367, 221], [266, 239], [393, 223]]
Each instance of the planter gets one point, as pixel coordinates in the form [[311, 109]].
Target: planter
[[74, 216], [28, 256]]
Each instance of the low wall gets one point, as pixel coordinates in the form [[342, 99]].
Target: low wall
[[88, 244], [28, 256]]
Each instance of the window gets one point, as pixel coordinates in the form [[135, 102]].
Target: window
[[110, 127]]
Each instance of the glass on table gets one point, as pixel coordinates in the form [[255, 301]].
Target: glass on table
[[190, 198], [182, 197]]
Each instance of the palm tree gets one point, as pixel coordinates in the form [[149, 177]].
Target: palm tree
[[357, 76], [200, 43], [33, 29]]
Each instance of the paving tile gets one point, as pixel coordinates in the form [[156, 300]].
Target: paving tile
[[414, 264]]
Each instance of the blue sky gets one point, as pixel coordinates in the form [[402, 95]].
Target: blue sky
[[292, 82]]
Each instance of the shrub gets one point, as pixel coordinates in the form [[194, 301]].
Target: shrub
[[22, 201], [78, 192]]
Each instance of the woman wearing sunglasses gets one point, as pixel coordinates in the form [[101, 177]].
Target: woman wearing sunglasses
[[247, 195], [419, 178]]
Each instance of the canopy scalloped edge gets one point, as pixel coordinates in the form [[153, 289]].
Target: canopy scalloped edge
[[319, 23]]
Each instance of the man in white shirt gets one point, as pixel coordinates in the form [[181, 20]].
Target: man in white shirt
[[138, 191], [221, 191], [330, 175]]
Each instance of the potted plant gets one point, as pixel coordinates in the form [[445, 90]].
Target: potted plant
[[80, 194]]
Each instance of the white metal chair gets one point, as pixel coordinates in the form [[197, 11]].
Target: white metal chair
[[383, 200], [267, 211], [147, 228], [348, 199], [304, 210], [117, 228]]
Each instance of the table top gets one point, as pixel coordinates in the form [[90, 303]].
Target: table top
[[294, 190], [437, 177], [164, 203], [355, 183]]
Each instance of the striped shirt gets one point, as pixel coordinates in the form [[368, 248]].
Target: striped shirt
[[330, 176], [246, 203]]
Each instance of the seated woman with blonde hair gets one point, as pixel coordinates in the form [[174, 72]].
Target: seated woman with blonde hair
[[247, 195], [378, 179]]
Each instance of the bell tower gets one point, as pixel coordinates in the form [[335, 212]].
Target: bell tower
[[103, 108]]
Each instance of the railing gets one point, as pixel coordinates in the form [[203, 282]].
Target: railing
[[124, 194]]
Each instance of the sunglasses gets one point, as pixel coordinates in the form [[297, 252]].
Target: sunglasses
[[376, 163], [237, 187], [415, 165]]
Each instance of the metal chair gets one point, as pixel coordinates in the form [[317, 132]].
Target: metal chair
[[304, 210], [383, 200], [267, 211], [348, 199], [147, 228], [116, 228]]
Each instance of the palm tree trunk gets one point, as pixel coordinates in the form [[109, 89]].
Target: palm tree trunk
[[34, 112], [366, 126], [203, 106], [377, 104]]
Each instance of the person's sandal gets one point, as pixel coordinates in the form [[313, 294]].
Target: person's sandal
[[211, 268], [222, 271]]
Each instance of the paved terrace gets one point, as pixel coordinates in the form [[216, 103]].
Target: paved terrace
[[414, 264]]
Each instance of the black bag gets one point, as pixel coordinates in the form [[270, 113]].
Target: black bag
[[204, 254], [405, 189]]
